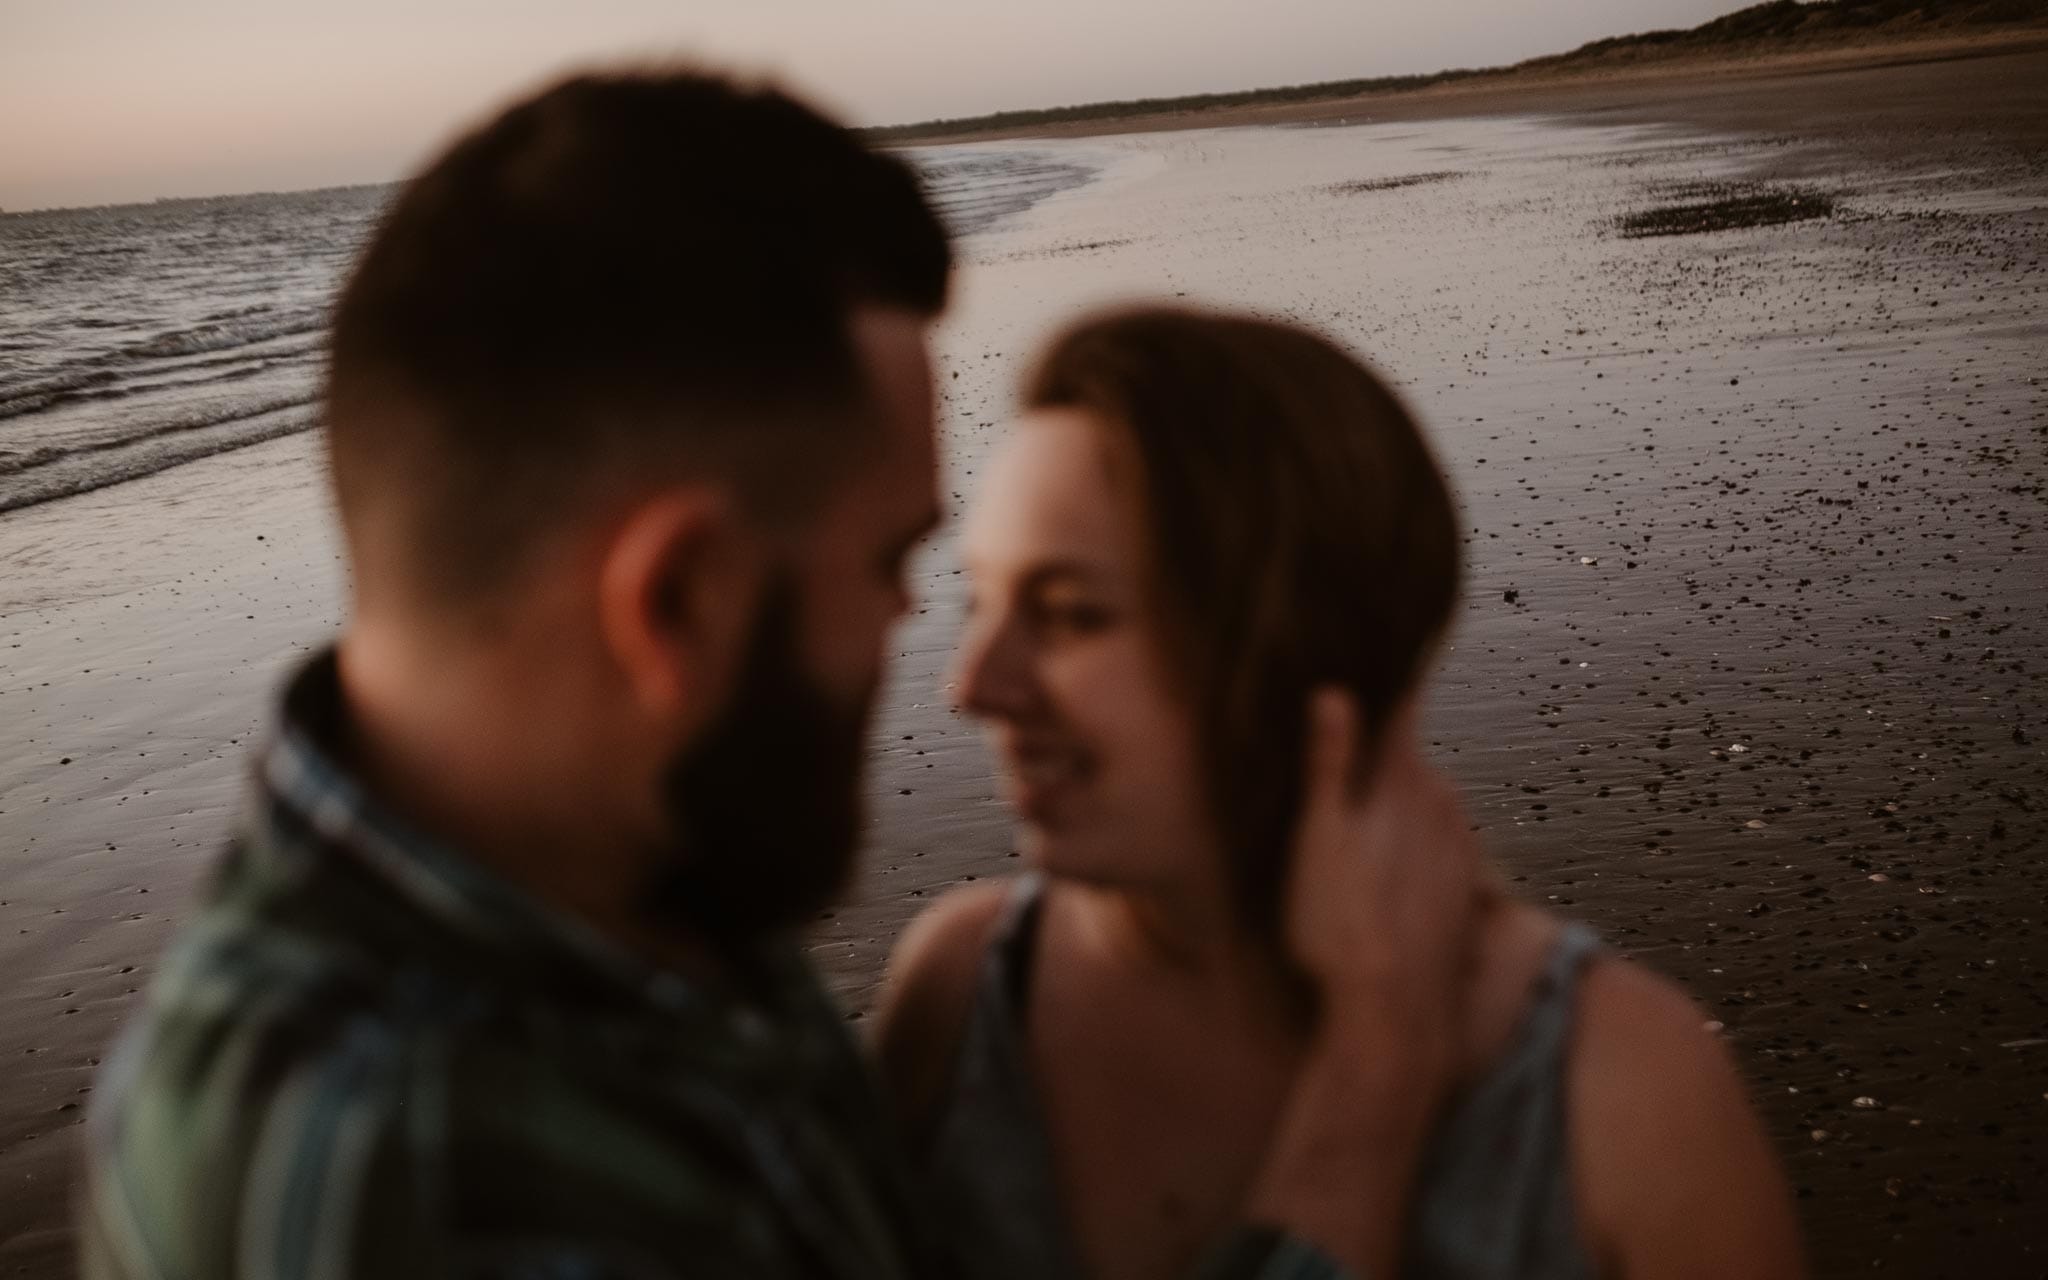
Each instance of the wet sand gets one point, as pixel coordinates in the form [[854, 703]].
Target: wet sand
[[1748, 674]]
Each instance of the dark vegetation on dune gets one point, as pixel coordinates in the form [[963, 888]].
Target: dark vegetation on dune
[[1787, 20], [1776, 24]]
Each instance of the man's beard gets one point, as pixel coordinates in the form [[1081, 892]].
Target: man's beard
[[766, 802]]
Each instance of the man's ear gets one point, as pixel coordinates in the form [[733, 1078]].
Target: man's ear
[[672, 592]]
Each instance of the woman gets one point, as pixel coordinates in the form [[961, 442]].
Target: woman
[[1203, 521]]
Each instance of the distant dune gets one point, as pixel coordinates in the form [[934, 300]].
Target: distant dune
[[1777, 27], [1781, 24]]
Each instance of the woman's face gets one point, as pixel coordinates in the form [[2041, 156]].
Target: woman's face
[[1064, 661]]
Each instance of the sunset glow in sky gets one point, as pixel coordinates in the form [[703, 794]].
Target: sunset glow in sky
[[115, 101]]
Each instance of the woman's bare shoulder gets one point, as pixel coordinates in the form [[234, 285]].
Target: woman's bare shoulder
[[929, 992], [942, 946], [1672, 1170], [1643, 1053]]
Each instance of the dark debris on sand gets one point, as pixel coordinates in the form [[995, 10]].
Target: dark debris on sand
[[1726, 207], [1364, 185]]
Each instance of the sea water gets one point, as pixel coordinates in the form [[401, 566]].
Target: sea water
[[137, 337]]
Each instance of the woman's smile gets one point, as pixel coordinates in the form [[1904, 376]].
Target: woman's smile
[[1044, 776]]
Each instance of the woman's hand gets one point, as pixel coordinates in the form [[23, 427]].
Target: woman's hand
[[1385, 886], [1381, 913]]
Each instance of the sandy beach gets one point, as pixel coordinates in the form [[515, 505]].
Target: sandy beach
[[1749, 673]]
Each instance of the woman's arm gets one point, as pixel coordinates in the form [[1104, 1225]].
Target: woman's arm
[[1672, 1172]]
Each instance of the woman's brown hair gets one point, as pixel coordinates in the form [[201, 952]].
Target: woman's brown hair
[[1300, 536]]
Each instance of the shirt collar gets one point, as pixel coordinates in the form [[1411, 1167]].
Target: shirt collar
[[305, 783]]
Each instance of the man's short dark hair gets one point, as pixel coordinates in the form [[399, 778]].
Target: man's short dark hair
[[623, 271]]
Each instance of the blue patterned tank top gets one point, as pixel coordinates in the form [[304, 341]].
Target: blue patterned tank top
[[1493, 1196]]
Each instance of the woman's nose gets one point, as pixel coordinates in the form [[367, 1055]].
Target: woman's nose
[[993, 676]]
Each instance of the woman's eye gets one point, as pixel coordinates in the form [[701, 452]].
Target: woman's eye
[[1075, 617]]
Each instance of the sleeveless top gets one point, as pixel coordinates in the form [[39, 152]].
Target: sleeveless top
[[1493, 1195]]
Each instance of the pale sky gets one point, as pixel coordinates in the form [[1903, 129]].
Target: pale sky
[[107, 100]]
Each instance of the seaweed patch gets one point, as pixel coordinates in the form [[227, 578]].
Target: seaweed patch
[[1726, 207], [1364, 185]]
